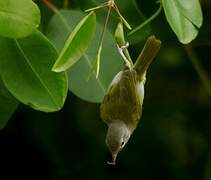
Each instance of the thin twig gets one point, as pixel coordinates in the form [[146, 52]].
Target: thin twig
[[50, 6], [198, 67], [97, 7], [101, 42], [147, 21], [105, 26]]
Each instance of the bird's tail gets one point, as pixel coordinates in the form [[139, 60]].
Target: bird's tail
[[150, 50]]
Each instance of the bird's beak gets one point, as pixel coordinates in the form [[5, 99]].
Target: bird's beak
[[114, 156]]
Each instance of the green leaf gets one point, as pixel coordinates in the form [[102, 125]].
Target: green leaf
[[77, 43], [25, 67], [191, 10], [80, 83], [8, 105], [184, 17], [18, 18]]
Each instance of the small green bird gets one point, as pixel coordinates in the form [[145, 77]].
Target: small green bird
[[121, 108]]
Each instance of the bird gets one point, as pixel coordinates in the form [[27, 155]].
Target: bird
[[122, 106]]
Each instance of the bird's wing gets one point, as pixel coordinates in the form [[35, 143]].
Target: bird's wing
[[122, 101]]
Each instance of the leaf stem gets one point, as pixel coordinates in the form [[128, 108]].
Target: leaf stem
[[101, 42], [198, 67], [111, 4], [122, 18], [50, 6], [122, 45], [147, 21], [105, 26], [97, 7]]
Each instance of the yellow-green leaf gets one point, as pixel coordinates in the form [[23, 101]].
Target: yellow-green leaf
[[77, 43], [18, 18], [82, 79], [25, 68]]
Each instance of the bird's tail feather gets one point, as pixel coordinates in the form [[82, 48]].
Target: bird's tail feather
[[150, 50]]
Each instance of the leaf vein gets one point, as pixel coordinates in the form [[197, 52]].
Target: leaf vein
[[97, 79], [24, 20], [84, 55], [36, 74]]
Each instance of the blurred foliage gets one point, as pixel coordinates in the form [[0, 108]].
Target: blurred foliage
[[172, 142], [85, 85]]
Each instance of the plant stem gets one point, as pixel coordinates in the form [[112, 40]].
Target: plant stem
[[121, 17], [198, 67], [105, 26], [97, 7], [147, 21], [101, 42], [50, 6]]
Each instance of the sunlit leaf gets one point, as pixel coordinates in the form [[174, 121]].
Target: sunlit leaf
[[18, 18], [80, 83], [25, 67], [77, 43], [8, 105], [184, 17]]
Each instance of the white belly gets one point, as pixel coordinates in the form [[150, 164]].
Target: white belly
[[140, 90]]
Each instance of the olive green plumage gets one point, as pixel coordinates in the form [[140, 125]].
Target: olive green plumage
[[122, 101], [121, 108]]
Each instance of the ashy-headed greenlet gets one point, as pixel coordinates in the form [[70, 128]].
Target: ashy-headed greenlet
[[121, 108]]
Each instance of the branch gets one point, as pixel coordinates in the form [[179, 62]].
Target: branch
[[198, 67], [50, 6]]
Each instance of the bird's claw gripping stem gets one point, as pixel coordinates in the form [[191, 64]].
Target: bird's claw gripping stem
[[121, 52]]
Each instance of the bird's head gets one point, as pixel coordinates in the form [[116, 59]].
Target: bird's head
[[117, 137]]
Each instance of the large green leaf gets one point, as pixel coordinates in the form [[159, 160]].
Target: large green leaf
[[191, 10], [25, 67], [8, 105], [184, 17], [18, 18], [82, 81], [77, 43]]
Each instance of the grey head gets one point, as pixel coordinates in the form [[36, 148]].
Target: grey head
[[117, 137]]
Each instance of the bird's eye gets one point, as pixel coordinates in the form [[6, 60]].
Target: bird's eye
[[122, 143]]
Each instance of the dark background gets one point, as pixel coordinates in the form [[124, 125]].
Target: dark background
[[172, 142]]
